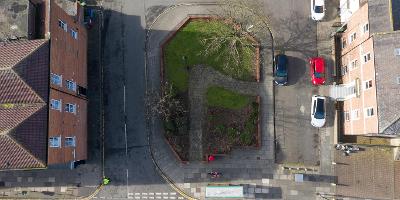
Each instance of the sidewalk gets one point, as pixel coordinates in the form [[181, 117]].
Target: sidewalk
[[254, 169]]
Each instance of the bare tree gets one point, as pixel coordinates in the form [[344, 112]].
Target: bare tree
[[249, 15], [165, 105], [248, 19]]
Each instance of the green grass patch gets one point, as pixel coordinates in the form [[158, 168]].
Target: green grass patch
[[186, 47], [220, 97]]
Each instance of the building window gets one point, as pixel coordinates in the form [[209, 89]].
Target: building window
[[398, 80], [55, 104], [71, 85], [353, 64], [55, 141], [368, 84], [367, 57], [397, 51], [63, 25], [344, 70], [71, 108], [369, 111], [365, 28], [74, 34], [56, 79], [343, 43], [347, 115], [353, 37], [70, 141], [355, 114]]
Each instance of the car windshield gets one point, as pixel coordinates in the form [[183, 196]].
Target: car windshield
[[319, 9], [320, 110], [318, 75], [281, 73]]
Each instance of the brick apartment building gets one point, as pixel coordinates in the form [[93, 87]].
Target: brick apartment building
[[370, 68], [43, 104]]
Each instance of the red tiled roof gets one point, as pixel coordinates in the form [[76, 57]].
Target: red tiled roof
[[24, 83], [13, 155], [13, 52]]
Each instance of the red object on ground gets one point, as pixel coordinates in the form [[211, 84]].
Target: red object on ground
[[211, 158], [317, 71]]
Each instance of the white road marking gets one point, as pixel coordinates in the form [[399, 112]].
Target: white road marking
[[172, 193]]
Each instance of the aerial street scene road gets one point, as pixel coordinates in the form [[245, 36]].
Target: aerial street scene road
[[200, 99]]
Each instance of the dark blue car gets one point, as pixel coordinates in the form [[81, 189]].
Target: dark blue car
[[280, 71]]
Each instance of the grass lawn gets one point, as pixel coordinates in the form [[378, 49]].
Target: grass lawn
[[187, 44], [220, 97]]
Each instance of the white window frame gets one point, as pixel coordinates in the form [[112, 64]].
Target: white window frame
[[352, 37], [344, 43], [53, 103], [56, 79], [353, 64], [353, 114], [54, 144], [70, 107], [344, 70], [63, 25], [369, 112], [68, 143], [347, 116], [366, 57], [365, 28], [71, 85], [366, 84], [74, 34]]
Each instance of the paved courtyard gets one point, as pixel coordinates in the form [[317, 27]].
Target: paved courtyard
[[300, 38], [368, 174], [254, 169]]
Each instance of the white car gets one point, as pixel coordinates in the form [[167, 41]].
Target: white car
[[317, 9], [318, 113]]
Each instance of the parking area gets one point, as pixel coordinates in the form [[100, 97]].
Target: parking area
[[300, 38]]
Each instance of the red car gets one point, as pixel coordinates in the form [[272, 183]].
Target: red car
[[317, 71]]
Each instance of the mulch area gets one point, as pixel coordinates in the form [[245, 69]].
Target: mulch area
[[177, 130], [226, 129], [368, 174]]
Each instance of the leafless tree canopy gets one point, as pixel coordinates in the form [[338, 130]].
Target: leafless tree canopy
[[248, 19], [248, 14], [165, 105]]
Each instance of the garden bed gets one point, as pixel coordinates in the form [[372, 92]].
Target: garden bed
[[181, 51], [232, 121]]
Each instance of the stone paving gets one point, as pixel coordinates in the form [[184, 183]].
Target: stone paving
[[368, 174]]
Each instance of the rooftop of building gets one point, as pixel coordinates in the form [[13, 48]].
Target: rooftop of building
[[387, 81], [24, 83], [14, 19], [379, 16], [69, 6]]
